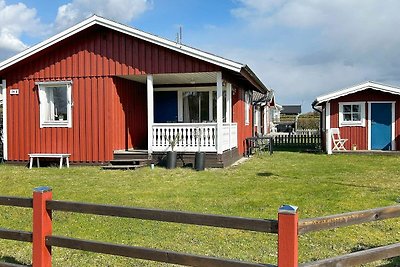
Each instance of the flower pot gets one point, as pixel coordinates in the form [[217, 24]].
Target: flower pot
[[199, 161], [171, 159]]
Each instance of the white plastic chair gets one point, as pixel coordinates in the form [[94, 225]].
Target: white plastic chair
[[338, 142]]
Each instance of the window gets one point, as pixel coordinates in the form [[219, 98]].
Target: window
[[55, 104], [247, 99], [195, 107], [352, 114]]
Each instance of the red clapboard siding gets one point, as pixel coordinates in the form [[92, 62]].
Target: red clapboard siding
[[359, 135], [108, 113], [238, 116]]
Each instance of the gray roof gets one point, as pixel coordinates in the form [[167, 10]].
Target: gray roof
[[291, 109]]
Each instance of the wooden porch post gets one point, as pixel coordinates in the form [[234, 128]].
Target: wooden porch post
[[219, 113], [150, 113], [229, 111]]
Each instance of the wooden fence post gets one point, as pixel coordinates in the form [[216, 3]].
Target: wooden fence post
[[288, 236], [42, 227]]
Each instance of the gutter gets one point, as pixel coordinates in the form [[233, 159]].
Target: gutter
[[253, 79]]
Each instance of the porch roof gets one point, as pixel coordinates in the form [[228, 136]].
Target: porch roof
[[177, 79]]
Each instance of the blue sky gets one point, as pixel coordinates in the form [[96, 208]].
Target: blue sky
[[299, 48]]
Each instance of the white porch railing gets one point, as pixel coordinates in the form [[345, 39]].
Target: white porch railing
[[191, 137]]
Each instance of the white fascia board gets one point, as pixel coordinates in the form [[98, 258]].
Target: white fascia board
[[49, 42], [219, 61], [354, 89]]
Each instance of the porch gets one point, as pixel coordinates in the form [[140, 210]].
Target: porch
[[188, 112]]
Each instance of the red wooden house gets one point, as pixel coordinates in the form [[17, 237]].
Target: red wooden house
[[101, 88], [367, 115]]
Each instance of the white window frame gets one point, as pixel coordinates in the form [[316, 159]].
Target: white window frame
[[360, 123], [247, 97], [43, 101], [257, 116]]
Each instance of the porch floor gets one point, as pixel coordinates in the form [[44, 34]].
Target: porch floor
[[213, 160]]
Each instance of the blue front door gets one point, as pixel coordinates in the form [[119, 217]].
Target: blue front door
[[381, 126]]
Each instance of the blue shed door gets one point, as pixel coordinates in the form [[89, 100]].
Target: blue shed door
[[381, 126]]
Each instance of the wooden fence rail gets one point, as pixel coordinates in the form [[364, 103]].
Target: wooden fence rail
[[358, 258], [258, 225], [346, 219], [146, 253], [288, 228]]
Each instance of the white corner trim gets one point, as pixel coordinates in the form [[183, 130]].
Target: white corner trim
[[328, 116], [150, 112], [369, 126], [5, 126], [328, 136], [219, 114], [393, 124]]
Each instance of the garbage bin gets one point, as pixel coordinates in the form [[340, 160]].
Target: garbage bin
[[199, 161]]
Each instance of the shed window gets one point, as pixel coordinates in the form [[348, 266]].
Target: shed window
[[352, 114], [55, 104]]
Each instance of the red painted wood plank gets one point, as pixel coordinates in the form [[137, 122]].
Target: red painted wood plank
[[122, 55], [88, 120], [82, 121], [95, 121], [135, 55], [115, 67], [101, 118], [129, 56], [75, 154], [87, 64]]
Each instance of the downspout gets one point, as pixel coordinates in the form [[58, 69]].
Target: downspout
[[320, 119]]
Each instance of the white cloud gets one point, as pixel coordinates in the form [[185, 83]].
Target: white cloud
[[309, 47], [120, 10], [16, 20]]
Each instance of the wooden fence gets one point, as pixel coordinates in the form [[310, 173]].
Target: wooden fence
[[288, 227], [303, 141]]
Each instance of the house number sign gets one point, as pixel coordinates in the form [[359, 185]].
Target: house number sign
[[14, 92]]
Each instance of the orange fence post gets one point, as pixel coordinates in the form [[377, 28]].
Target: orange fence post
[[288, 236], [42, 227]]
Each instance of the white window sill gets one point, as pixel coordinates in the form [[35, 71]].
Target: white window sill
[[65, 124], [352, 124]]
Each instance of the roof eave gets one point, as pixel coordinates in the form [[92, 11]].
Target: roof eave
[[253, 79]]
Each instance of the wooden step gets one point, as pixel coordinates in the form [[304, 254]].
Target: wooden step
[[134, 155], [121, 167], [129, 162]]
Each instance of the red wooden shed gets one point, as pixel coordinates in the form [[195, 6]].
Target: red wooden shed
[[367, 115], [100, 89]]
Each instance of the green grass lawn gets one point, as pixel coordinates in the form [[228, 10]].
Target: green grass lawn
[[319, 184]]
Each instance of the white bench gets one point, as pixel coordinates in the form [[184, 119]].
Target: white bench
[[46, 155]]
